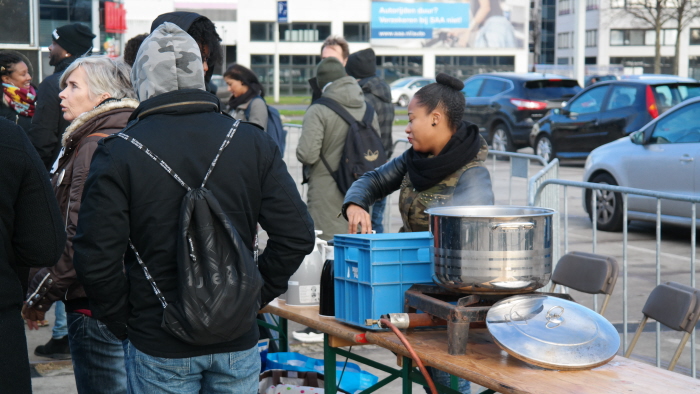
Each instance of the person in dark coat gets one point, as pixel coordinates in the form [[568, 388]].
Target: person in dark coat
[[32, 236], [130, 198], [362, 65], [69, 43], [17, 101]]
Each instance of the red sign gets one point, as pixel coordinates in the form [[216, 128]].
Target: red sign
[[115, 17]]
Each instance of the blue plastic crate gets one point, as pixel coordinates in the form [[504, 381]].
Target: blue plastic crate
[[372, 272]]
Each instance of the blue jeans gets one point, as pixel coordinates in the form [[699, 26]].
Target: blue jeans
[[98, 356], [60, 326], [443, 378], [378, 215], [234, 372]]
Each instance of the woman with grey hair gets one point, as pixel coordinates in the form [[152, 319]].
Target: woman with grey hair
[[97, 99]]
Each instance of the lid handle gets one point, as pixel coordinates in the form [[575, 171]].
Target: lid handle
[[554, 317], [512, 226]]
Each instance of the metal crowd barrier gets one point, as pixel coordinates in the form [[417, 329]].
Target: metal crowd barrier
[[538, 187]]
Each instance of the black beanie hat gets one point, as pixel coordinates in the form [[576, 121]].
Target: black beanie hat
[[362, 64], [76, 38], [183, 19], [329, 70]]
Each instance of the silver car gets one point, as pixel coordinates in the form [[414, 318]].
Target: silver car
[[402, 90], [663, 156]]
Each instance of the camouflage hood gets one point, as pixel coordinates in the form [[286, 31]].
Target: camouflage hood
[[168, 60]]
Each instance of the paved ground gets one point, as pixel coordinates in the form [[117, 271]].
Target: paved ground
[[675, 259]]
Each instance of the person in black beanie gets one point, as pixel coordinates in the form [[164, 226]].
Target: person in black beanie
[[69, 43], [362, 65]]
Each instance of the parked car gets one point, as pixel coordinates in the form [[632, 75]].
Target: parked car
[[663, 156], [658, 76], [402, 90], [221, 89], [604, 112], [505, 106]]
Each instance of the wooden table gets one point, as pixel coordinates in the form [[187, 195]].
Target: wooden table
[[485, 363]]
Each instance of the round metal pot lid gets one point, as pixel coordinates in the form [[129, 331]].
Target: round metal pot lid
[[551, 332]]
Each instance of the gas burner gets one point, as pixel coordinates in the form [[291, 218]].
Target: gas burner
[[458, 310]]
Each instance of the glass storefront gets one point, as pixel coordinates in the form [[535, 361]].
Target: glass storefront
[[53, 14], [295, 71], [463, 67], [391, 68]]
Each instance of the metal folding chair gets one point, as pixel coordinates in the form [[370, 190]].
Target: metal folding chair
[[674, 305], [588, 273]]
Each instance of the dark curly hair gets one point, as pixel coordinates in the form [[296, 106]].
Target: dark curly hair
[[131, 49], [446, 93], [204, 32], [246, 77], [7, 61]]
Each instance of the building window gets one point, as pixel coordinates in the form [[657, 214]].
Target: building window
[[565, 7], [53, 14], [694, 36], [305, 32], [295, 71], [640, 65], [628, 3], [465, 66], [262, 31], [636, 37], [563, 61], [356, 32], [564, 40], [391, 68], [591, 38], [592, 5]]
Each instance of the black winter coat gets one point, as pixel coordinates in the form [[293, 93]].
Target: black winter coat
[[30, 221], [10, 114], [129, 196], [378, 95], [48, 124]]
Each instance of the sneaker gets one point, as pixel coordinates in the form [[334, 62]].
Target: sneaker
[[308, 335], [55, 348]]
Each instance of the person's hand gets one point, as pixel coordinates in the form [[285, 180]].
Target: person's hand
[[358, 217], [32, 316]]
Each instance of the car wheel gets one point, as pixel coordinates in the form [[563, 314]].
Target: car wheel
[[608, 205], [544, 148], [403, 101], [501, 141]]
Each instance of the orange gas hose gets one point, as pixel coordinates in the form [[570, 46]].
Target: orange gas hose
[[413, 354]]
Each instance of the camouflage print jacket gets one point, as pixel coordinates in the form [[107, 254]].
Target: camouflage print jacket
[[469, 185]]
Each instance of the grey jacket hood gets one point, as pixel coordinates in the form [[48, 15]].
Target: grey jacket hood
[[345, 91], [168, 60]]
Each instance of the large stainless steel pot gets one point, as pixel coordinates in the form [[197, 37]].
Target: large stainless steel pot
[[492, 249]]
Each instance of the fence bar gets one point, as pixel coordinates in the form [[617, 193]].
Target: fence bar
[[624, 273], [510, 183], [658, 276], [594, 204], [693, 234], [566, 220]]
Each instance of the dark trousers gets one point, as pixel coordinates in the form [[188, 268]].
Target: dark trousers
[[14, 360]]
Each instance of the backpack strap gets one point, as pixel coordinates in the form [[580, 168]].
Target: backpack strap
[[156, 290], [369, 114], [155, 157], [229, 135], [337, 108]]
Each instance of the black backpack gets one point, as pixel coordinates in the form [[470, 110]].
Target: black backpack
[[363, 150], [218, 274], [274, 125]]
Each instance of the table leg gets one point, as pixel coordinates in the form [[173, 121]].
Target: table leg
[[283, 339], [406, 375], [329, 384], [457, 335]]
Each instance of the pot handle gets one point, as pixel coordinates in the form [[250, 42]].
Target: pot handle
[[512, 226]]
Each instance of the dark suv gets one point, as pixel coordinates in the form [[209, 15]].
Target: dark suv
[[505, 106], [604, 112]]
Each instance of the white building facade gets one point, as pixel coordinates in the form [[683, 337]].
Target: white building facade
[[615, 38]]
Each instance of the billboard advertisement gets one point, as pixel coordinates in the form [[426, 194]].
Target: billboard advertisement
[[449, 23]]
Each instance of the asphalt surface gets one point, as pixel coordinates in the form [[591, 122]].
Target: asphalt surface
[[675, 260]]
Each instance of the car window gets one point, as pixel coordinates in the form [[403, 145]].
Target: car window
[[679, 127], [420, 84], [669, 95], [549, 89], [590, 101], [399, 83], [492, 87], [622, 97], [471, 88]]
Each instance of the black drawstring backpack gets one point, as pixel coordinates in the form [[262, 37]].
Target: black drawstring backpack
[[217, 273]]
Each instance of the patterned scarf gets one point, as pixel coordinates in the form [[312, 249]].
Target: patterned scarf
[[20, 99]]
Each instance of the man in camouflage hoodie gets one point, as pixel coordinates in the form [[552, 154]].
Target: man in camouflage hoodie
[[129, 198], [362, 65]]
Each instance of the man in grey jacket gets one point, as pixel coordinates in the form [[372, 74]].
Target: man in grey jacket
[[323, 133]]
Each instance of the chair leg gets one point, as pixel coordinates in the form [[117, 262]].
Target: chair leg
[[605, 304], [679, 351], [636, 336]]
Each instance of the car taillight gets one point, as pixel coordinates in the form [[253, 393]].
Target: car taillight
[[651, 103], [523, 104]]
